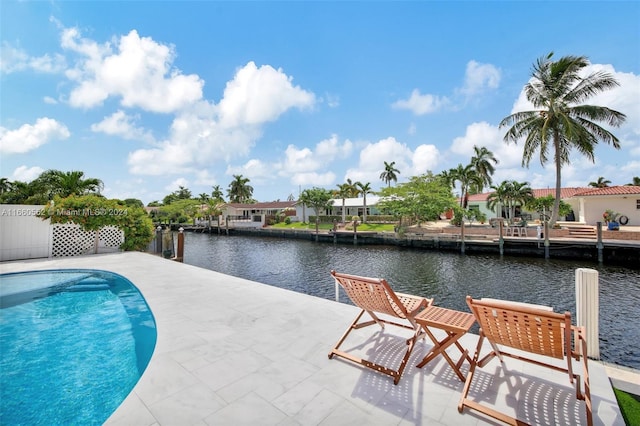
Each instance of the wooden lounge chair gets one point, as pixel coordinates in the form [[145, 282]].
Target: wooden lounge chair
[[531, 329], [375, 296]]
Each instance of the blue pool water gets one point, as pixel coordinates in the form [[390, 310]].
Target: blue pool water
[[73, 344]]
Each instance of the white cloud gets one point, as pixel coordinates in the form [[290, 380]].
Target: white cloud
[[260, 95], [49, 100], [121, 124], [31, 136], [313, 179], [203, 177], [305, 162], [13, 59], [140, 72], [257, 171], [176, 184], [421, 104], [26, 174], [485, 135], [408, 162], [425, 158], [206, 133], [479, 78]]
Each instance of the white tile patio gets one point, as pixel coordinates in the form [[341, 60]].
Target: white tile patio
[[232, 351]]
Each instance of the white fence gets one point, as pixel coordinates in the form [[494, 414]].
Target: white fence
[[24, 235]]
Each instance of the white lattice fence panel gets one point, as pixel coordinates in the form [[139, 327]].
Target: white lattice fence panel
[[110, 239], [71, 240]]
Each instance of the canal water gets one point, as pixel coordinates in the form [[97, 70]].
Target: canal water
[[304, 266]]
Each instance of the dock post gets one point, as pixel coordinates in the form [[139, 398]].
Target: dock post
[[180, 253], [587, 308], [546, 239], [159, 239], [599, 244], [462, 236], [501, 238]]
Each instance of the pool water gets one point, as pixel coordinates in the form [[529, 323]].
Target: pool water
[[73, 344]]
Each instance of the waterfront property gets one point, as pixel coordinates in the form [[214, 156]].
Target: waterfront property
[[233, 351]]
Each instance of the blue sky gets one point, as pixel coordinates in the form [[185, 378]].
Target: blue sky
[[150, 96]]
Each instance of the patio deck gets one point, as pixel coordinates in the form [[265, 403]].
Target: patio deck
[[232, 351]]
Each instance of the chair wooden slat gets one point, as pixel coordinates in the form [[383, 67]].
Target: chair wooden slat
[[375, 296], [530, 329]]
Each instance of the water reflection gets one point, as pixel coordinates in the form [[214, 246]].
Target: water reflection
[[304, 266]]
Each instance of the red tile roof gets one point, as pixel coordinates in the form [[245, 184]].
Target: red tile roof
[[611, 190], [572, 192]]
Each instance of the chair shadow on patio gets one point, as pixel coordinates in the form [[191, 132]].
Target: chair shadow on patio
[[420, 390], [529, 398]]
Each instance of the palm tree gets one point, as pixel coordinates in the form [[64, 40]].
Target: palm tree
[[390, 173], [468, 177], [204, 197], [561, 123], [217, 194], [317, 198], [5, 185], [239, 191], [498, 198], [520, 193], [448, 178], [344, 191], [483, 162], [635, 181], [364, 189], [509, 194], [64, 184], [600, 183]]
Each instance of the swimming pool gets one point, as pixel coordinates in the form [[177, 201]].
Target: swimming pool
[[73, 345]]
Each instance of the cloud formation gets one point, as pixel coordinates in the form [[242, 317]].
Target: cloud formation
[[135, 69], [31, 136]]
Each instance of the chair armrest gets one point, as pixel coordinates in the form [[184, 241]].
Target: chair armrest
[[510, 304]]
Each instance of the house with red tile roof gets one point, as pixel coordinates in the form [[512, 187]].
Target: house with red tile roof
[[588, 203]]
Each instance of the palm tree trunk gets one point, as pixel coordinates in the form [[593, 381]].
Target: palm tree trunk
[[364, 213], [556, 202]]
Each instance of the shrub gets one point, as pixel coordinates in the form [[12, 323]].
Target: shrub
[[93, 212]]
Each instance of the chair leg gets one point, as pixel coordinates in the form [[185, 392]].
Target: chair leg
[[346, 333], [396, 374], [472, 369], [587, 387]]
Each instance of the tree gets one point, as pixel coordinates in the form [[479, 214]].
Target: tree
[[74, 182], [497, 200], [422, 198], [544, 204], [467, 177], [510, 194], [317, 198], [133, 220], [217, 194], [600, 183], [239, 190], [390, 173], [483, 162], [133, 202], [5, 185], [344, 192], [635, 181], [364, 189], [560, 122], [203, 197]]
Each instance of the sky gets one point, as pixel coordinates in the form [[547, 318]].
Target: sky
[[152, 96]]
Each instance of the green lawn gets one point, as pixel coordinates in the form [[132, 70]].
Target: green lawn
[[376, 227], [629, 406]]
